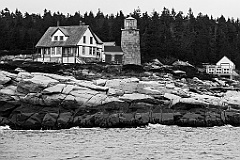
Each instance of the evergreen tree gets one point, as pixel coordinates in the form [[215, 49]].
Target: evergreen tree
[[165, 36]]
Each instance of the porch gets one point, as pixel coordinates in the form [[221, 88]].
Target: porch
[[65, 55]]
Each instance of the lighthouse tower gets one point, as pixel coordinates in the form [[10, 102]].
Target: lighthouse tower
[[130, 42]]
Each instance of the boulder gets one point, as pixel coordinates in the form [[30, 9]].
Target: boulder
[[132, 79], [96, 100], [49, 120], [86, 121], [232, 117], [103, 120], [7, 107], [192, 119], [167, 118], [67, 89], [82, 96], [42, 80], [151, 91], [139, 107], [85, 72], [151, 84], [156, 118], [115, 92], [232, 98], [213, 119], [222, 83], [69, 102], [24, 75], [50, 101], [170, 86], [8, 74], [29, 87], [142, 119], [9, 90], [34, 121], [5, 98], [134, 96], [20, 118], [193, 101], [4, 79], [128, 87], [53, 99], [126, 119], [173, 98], [100, 82], [33, 98], [19, 70], [113, 83], [5, 122], [58, 88], [64, 120], [113, 120], [90, 85], [54, 76]]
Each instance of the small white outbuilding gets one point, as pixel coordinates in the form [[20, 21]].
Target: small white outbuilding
[[224, 67]]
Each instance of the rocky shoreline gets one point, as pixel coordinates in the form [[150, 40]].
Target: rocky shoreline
[[37, 100]]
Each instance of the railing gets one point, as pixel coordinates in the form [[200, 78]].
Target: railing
[[219, 70]]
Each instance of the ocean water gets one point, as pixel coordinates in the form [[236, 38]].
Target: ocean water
[[153, 142]]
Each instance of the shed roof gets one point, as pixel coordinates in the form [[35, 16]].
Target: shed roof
[[113, 49]]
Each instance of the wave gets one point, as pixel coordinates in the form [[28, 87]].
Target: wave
[[150, 125], [5, 127]]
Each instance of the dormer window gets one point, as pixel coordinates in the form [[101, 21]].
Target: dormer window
[[61, 38], [55, 38]]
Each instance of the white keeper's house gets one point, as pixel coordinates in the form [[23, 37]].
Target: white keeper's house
[[224, 67], [69, 44]]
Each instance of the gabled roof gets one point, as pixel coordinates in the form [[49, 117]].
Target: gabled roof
[[225, 59], [63, 30], [98, 40], [112, 49], [130, 18], [74, 34]]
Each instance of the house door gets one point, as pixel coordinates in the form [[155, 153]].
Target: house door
[[108, 58], [59, 51]]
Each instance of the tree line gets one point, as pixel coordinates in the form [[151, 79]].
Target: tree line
[[165, 35]]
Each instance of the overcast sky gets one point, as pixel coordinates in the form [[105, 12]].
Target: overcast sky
[[216, 8]]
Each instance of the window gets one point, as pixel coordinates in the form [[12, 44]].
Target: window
[[46, 51], [83, 50], [53, 50], [91, 40], [226, 70], [68, 51], [61, 38], [98, 52], [55, 38], [94, 51], [219, 70], [90, 50], [84, 39], [59, 49]]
